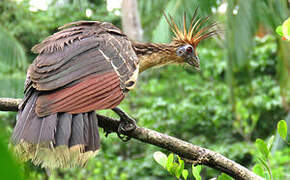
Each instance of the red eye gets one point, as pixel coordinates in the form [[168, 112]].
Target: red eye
[[189, 49]]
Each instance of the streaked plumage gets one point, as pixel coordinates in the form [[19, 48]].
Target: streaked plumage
[[86, 66]]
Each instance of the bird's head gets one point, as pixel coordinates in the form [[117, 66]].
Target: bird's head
[[186, 40]]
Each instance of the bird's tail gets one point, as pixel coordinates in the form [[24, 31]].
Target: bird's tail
[[57, 140]]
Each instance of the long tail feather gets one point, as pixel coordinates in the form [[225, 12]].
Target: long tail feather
[[57, 140]]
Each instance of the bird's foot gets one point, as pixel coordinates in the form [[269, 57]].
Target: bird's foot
[[127, 124]]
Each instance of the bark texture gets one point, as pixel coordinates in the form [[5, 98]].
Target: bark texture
[[194, 153], [131, 24]]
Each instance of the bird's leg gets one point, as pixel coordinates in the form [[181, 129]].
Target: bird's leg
[[127, 124]]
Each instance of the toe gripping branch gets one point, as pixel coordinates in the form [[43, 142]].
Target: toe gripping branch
[[126, 125]]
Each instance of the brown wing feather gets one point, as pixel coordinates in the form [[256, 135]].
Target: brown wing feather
[[93, 93], [72, 32], [84, 67]]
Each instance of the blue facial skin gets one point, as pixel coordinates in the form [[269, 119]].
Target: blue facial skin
[[187, 52]]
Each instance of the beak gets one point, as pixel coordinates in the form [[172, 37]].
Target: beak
[[194, 61]]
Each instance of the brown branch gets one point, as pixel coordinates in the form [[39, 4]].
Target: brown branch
[[191, 152], [9, 104]]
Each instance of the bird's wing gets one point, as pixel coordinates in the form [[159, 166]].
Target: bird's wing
[[88, 65]]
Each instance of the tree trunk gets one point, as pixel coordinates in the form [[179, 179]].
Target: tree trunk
[[131, 20]]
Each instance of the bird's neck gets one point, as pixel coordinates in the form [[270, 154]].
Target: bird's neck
[[153, 55]]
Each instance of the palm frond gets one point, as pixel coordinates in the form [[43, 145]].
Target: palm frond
[[12, 53], [12, 86], [241, 28], [149, 22]]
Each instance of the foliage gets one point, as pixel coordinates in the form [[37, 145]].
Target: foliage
[[8, 165], [174, 168], [12, 53], [13, 63], [282, 129], [264, 155], [32, 27], [284, 29], [177, 100], [177, 168]]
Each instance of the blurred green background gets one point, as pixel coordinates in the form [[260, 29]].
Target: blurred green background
[[241, 92]]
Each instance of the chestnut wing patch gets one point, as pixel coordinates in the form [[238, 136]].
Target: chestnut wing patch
[[95, 92]]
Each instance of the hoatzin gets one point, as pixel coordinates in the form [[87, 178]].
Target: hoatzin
[[88, 66]]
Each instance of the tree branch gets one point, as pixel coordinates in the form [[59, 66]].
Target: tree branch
[[194, 153]]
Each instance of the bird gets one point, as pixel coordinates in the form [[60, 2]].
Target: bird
[[84, 67]]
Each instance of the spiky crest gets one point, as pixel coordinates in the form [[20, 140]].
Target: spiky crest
[[196, 31]]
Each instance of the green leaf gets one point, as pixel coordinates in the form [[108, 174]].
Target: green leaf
[[160, 158], [279, 30], [270, 142], [258, 169], [169, 162], [180, 167], [223, 176], [195, 171], [267, 177], [286, 29], [173, 168], [185, 174], [263, 162], [265, 165], [262, 147], [282, 129]]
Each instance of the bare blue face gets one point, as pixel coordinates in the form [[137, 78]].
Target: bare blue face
[[189, 55]]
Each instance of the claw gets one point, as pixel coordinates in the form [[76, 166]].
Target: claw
[[123, 137], [127, 124]]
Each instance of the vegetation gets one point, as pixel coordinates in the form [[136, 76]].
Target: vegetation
[[240, 94], [262, 168]]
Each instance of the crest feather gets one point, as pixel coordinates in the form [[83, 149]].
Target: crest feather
[[198, 30]]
